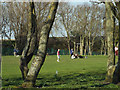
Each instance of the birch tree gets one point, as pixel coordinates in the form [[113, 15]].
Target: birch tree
[[41, 53]]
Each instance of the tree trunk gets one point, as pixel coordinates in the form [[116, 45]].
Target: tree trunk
[[77, 48], [74, 47], [116, 76], [102, 46], [69, 44], [110, 33], [101, 50], [67, 31], [90, 52], [31, 42], [105, 48], [41, 53], [81, 45], [92, 43], [68, 40], [86, 46]]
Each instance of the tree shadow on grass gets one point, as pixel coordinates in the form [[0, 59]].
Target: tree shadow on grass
[[71, 80], [74, 80], [12, 82]]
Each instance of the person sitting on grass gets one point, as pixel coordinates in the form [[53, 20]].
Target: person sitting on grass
[[77, 56], [16, 52], [73, 57]]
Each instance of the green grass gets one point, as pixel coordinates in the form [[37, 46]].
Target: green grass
[[76, 73]]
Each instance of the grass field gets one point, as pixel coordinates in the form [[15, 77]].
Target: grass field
[[77, 73]]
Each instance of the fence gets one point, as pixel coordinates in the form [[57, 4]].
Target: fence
[[7, 51], [50, 51]]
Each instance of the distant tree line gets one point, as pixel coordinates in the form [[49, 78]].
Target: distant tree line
[[54, 43]]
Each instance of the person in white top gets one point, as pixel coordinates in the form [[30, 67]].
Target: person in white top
[[58, 55]]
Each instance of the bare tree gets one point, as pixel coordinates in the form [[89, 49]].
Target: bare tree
[[41, 53], [87, 26], [65, 18], [15, 21], [13, 25]]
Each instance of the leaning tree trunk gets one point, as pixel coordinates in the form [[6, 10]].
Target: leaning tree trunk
[[41, 53], [31, 42], [110, 33]]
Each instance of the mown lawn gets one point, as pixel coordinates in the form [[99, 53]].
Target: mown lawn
[[77, 73]]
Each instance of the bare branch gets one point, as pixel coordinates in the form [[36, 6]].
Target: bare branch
[[98, 2]]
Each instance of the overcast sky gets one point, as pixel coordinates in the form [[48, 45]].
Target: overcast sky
[[72, 2]]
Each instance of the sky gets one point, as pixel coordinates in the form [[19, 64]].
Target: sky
[[62, 33], [72, 2]]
